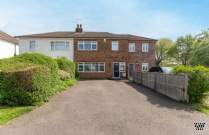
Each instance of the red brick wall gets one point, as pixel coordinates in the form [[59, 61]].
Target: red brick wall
[[105, 54]]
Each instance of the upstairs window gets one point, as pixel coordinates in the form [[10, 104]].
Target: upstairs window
[[87, 45], [115, 46], [145, 67], [60, 46], [32, 46], [131, 47], [145, 47]]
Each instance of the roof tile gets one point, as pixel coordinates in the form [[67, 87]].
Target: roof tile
[[8, 38], [84, 35]]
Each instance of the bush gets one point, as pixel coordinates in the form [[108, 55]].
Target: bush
[[40, 59], [198, 82], [67, 66], [25, 87], [63, 75], [77, 75], [31, 78]]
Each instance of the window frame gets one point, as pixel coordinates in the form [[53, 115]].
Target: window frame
[[122, 66], [145, 47], [133, 46], [32, 47], [84, 43], [146, 65], [115, 43], [97, 65], [54, 44]]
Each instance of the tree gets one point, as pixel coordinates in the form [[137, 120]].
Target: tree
[[203, 36], [183, 49], [200, 53], [161, 50]]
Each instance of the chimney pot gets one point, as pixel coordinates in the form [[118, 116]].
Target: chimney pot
[[79, 28]]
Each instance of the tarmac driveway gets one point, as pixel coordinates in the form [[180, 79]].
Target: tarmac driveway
[[105, 107]]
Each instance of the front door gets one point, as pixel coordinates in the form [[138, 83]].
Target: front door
[[131, 71], [116, 70]]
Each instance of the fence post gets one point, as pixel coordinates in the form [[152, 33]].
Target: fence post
[[186, 95], [155, 81]]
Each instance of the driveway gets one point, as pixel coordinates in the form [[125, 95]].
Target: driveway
[[105, 107]]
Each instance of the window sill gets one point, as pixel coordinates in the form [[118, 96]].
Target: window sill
[[92, 72], [87, 50]]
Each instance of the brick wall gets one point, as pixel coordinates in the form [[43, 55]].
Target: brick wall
[[105, 54]]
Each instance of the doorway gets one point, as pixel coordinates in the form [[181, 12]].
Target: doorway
[[116, 70]]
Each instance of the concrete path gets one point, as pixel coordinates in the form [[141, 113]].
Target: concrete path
[[105, 107]]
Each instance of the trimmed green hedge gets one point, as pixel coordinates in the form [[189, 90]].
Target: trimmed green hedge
[[25, 87], [67, 66], [31, 78], [198, 82], [40, 59]]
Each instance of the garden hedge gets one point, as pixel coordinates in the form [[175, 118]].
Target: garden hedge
[[198, 82], [67, 66], [40, 59], [25, 87], [32, 78]]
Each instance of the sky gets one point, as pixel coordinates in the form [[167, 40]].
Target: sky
[[149, 18]]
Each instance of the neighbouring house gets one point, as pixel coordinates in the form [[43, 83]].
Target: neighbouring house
[[54, 44], [8, 46], [97, 54]]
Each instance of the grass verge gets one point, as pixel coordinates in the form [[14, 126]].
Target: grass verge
[[202, 108], [9, 113]]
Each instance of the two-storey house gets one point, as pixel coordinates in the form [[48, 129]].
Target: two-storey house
[[108, 55], [53, 44], [97, 54]]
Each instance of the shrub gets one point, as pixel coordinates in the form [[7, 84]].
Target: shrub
[[25, 87], [198, 82], [31, 78], [67, 66], [11, 64], [40, 59], [77, 75], [63, 75]]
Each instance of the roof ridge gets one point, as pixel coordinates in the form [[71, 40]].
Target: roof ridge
[[85, 34]]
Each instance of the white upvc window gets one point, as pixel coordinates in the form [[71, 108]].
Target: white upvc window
[[145, 67], [122, 67], [131, 47], [115, 45], [87, 45], [60, 46], [91, 67], [145, 47], [32, 46]]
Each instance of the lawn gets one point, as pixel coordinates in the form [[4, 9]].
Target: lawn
[[202, 108], [9, 113]]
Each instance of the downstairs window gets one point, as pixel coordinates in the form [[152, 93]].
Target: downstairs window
[[91, 67]]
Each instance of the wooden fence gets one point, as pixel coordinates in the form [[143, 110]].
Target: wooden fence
[[173, 86]]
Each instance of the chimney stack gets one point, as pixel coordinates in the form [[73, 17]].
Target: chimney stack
[[79, 28]]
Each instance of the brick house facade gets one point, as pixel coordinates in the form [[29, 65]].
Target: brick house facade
[[104, 54]]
